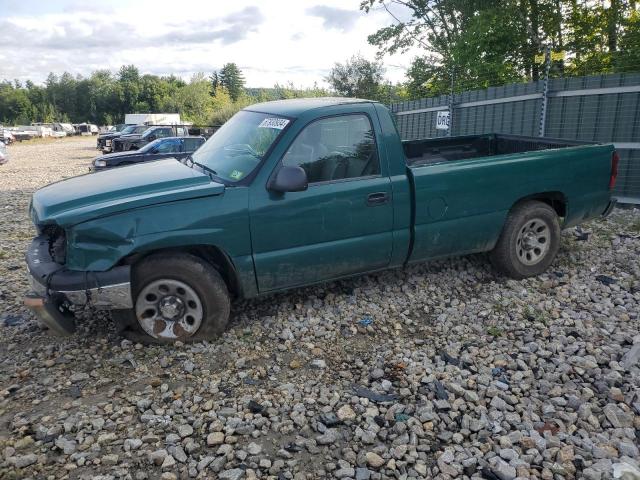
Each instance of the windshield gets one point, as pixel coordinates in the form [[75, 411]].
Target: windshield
[[150, 145], [128, 129], [140, 128], [235, 150]]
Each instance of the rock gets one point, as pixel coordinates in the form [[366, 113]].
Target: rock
[[158, 456], [215, 438], [67, 446], [23, 461], [617, 417], [318, 363], [189, 366], [110, 459], [254, 449], [363, 473], [374, 460], [185, 430], [503, 470], [23, 443], [79, 377], [132, 444], [328, 438], [168, 463], [329, 419], [346, 413], [233, 474], [632, 357], [348, 472]]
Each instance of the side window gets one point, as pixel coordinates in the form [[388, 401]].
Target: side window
[[162, 132], [191, 144], [335, 148], [169, 146]]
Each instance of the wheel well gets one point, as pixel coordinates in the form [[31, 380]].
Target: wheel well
[[555, 200], [211, 254]]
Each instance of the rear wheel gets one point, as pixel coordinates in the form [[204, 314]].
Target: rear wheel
[[175, 297], [529, 241]]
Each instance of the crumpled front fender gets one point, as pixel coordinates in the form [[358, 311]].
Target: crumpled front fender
[[220, 221]]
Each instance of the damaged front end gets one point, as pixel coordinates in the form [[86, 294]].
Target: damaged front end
[[55, 289]]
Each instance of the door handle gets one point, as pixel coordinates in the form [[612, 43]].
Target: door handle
[[378, 198]]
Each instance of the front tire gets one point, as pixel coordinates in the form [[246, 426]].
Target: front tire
[[177, 297], [529, 241]]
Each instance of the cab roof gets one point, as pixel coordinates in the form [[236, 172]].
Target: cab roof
[[295, 106]]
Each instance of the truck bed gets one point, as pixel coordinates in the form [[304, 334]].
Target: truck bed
[[447, 149]]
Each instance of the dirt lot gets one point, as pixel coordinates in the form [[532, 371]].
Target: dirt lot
[[440, 370]]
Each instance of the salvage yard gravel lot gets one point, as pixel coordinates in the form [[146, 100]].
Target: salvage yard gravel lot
[[439, 370]]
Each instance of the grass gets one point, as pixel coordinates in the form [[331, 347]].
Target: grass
[[495, 331]]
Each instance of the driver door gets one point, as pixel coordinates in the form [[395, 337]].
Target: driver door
[[341, 225]]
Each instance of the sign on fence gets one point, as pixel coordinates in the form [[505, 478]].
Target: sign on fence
[[442, 120]]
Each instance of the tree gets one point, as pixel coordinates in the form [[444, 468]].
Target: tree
[[357, 77], [129, 80], [215, 83], [479, 43], [231, 78]]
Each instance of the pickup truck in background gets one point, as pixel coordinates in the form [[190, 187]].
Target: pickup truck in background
[[292, 193], [129, 131], [124, 143], [101, 141], [168, 147]]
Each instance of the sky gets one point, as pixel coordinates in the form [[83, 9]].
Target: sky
[[271, 41]]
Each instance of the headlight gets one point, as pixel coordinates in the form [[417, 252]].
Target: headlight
[[100, 163]]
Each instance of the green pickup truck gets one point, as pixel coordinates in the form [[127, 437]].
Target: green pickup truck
[[292, 193]]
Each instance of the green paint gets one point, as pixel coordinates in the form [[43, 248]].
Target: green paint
[[276, 241]]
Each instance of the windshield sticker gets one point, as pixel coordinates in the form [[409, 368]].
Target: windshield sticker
[[236, 174], [277, 123]]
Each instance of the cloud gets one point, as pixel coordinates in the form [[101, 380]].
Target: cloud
[[87, 34], [230, 29], [335, 18]]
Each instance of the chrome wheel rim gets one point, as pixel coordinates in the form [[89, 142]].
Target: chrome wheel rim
[[169, 309], [532, 243]]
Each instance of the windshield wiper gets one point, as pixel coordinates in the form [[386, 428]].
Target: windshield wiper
[[204, 167], [186, 159]]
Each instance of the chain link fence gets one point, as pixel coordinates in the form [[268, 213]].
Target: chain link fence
[[601, 108]]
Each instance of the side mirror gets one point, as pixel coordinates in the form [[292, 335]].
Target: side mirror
[[289, 179]]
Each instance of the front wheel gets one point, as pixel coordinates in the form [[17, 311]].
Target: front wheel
[[176, 297], [529, 241]]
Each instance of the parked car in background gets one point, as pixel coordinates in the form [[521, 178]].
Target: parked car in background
[[87, 129], [103, 142], [58, 129], [21, 133], [169, 147], [293, 193], [6, 136], [130, 131], [4, 156], [134, 142]]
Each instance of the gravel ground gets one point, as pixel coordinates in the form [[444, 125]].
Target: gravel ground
[[440, 370]]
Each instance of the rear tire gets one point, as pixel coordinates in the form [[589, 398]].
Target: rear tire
[[529, 241], [175, 297]]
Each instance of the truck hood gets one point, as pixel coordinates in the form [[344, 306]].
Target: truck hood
[[109, 135], [126, 153], [131, 136], [90, 196]]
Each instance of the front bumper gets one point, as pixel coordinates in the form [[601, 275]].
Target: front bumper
[[53, 285]]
